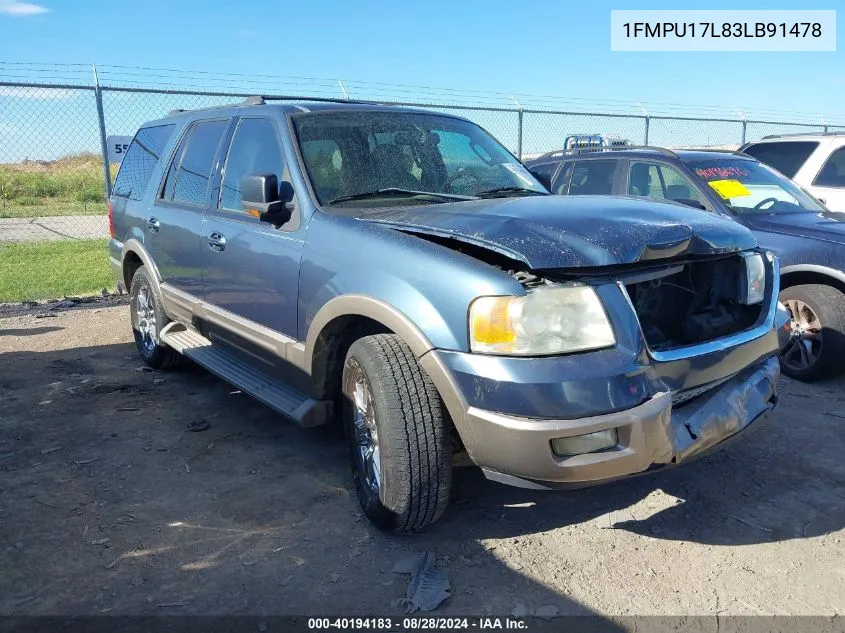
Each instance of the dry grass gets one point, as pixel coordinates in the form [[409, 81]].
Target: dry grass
[[72, 185]]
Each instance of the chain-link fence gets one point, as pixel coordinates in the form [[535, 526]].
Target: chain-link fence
[[53, 147]]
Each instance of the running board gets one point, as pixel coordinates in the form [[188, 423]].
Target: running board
[[288, 401]]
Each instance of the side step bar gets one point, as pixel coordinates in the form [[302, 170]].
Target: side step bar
[[290, 402]]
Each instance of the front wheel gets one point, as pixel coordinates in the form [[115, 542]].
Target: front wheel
[[816, 348], [397, 434]]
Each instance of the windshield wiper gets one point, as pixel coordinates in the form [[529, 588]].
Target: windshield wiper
[[501, 192], [395, 191]]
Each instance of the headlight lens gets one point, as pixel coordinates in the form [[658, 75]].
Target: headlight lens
[[547, 320], [754, 288]]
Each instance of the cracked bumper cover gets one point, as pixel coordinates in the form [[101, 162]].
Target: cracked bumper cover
[[517, 450]]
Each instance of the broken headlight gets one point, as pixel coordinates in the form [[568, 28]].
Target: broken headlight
[[553, 319], [752, 287]]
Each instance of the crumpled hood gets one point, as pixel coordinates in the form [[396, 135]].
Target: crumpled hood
[[559, 232], [828, 226]]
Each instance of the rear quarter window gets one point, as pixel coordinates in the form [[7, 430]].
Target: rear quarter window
[[140, 161], [544, 173], [832, 174], [787, 157]]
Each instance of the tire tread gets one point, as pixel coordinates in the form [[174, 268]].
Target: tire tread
[[416, 421], [829, 302]]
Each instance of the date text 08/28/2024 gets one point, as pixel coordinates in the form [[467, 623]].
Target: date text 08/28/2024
[[724, 30], [417, 623]]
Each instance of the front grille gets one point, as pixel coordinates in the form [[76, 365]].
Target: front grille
[[692, 303]]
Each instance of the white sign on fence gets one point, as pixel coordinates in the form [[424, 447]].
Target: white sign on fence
[[117, 146]]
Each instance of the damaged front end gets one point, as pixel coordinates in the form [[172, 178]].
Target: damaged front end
[[721, 412], [692, 363]]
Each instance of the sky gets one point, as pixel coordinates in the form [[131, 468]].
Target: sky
[[541, 48]]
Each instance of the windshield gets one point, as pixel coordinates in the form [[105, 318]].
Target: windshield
[[747, 186], [349, 154]]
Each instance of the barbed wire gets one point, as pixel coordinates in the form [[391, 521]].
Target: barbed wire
[[116, 75]]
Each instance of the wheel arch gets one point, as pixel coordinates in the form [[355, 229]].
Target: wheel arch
[[345, 319], [133, 256], [811, 274]]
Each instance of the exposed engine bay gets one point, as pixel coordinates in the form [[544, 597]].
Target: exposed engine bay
[[692, 303]]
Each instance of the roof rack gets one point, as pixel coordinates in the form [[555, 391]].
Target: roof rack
[[606, 148]]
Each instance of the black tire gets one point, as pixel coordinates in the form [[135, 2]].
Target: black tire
[[412, 435], [828, 304], [144, 290]]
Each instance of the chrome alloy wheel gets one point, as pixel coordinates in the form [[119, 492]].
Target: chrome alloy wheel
[[805, 344], [145, 318], [357, 391]]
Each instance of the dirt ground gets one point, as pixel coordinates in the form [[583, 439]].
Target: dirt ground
[[108, 504]]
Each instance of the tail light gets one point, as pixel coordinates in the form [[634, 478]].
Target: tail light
[[112, 231]]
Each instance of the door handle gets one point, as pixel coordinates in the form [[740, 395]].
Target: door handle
[[153, 224], [216, 242]]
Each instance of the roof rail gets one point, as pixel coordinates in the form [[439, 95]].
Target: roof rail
[[715, 150], [320, 100], [800, 134], [557, 152], [253, 100], [263, 99]]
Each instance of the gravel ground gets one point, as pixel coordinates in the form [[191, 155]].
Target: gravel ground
[[108, 504]]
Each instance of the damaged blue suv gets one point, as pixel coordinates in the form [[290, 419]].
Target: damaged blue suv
[[400, 270]]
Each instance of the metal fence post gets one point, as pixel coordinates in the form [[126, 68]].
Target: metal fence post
[[647, 123], [98, 95], [519, 115], [744, 123], [343, 89]]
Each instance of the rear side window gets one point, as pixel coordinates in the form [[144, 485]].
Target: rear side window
[[592, 177], [254, 150], [140, 161], [787, 157], [833, 172], [190, 173]]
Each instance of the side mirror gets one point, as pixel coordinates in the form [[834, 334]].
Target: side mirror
[[695, 204], [544, 179], [260, 198]]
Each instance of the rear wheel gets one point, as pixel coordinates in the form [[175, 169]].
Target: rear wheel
[[816, 348], [148, 319], [397, 434]]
